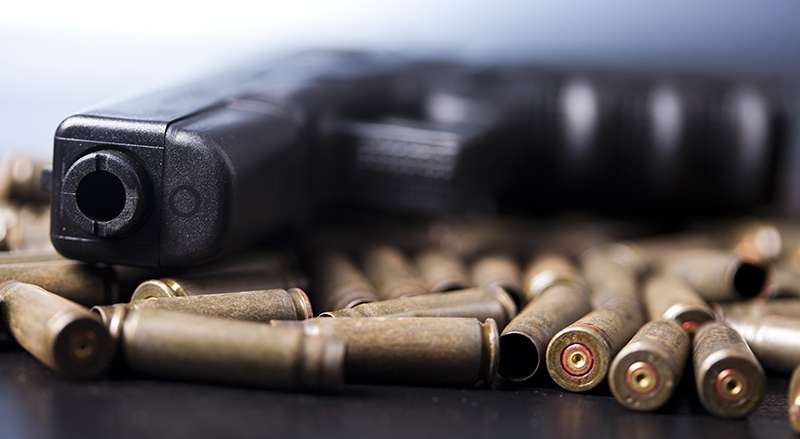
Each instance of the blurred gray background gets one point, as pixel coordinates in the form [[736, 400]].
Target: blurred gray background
[[59, 58]]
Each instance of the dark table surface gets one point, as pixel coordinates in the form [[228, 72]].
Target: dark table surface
[[36, 403]]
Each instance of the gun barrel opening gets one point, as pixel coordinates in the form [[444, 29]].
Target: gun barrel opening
[[100, 196]]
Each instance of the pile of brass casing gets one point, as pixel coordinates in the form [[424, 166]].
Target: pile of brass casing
[[424, 304], [559, 300], [578, 357]]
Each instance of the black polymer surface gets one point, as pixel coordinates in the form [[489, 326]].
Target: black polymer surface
[[36, 403]]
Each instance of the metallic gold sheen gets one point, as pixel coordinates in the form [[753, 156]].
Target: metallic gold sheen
[[63, 335], [730, 381], [177, 345], [480, 303], [416, 350], [645, 372]]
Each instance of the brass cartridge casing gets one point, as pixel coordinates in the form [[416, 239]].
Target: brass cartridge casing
[[629, 256], [392, 274], [646, 371], [25, 256], [82, 283], [35, 221], [782, 283], [12, 231], [21, 180], [339, 283], [794, 400], [757, 308], [545, 271], [500, 270], [578, 356], [667, 297], [257, 306], [758, 242], [63, 335], [256, 270], [180, 286], [187, 346], [775, 340], [480, 303], [609, 281], [524, 340], [729, 380], [442, 271], [715, 275], [416, 350]]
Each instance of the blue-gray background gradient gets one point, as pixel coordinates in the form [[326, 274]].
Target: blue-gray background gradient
[[60, 58]]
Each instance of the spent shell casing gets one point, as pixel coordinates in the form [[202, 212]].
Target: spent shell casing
[[23, 256], [180, 286], [500, 270], [578, 356], [63, 335], [480, 303], [256, 306], [757, 308], [256, 270], [646, 371], [629, 256], [442, 271], [775, 340], [34, 229], [729, 379], [667, 297], [545, 271], [608, 279], [794, 400], [782, 283], [758, 242], [339, 283], [21, 180], [187, 346], [82, 283], [414, 350], [524, 340], [12, 231], [715, 275], [391, 273]]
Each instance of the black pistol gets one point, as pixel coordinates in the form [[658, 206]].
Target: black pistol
[[176, 177]]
